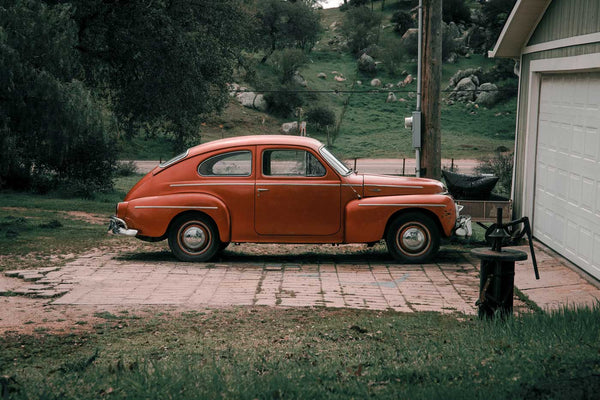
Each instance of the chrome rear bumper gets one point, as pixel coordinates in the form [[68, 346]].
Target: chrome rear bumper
[[119, 227]]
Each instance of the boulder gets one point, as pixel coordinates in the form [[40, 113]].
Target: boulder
[[408, 80], [464, 73], [339, 78], [260, 103], [322, 75], [252, 100], [375, 82], [299, 79], [391, 97], [410, 33], [488, 95], [366, 63], [288, 127], [464, 90]]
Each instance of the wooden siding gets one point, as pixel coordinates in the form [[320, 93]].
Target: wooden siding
[[523, 108], [567, 18]]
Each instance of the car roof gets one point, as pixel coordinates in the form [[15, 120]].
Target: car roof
[[253, 140]]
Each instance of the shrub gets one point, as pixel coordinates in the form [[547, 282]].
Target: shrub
[[283, 103], [410, 43], [287, 62], [125, 168], [321, 116], [360, 28], [500, 165], [402, 22], [393, 55]]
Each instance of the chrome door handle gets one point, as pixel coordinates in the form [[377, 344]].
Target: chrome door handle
[[262, 190]]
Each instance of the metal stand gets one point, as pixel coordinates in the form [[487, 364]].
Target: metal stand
[[497, 273]]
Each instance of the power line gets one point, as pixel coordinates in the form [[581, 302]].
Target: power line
[[371, 91]]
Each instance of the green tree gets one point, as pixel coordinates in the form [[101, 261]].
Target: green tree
[[456, 11], [53, 131], [495, 13], [162, 62], [287, 24], [360, 28]]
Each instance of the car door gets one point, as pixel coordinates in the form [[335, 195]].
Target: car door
[[297, 194]]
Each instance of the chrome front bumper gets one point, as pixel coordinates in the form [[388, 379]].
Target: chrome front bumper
[[463, 227], [119, 227]]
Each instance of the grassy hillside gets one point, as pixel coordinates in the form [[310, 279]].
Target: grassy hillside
[[368, 126]]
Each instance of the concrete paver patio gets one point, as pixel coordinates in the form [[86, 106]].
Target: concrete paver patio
[[451, 284]]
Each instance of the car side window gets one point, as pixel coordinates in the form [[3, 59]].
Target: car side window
[[235, 163], [291, 163]]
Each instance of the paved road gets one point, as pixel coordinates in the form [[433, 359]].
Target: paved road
[[390, 166]]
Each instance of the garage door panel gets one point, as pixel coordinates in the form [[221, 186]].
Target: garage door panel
[[597, 198], [567, 179], [574, 189], [587, 195]]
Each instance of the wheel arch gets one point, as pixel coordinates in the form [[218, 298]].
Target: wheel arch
[[191, 213], [409, 210]]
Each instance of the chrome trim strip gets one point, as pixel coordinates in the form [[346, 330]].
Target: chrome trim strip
[[195, 207], [297, 184], [402, 205], [351, 184], [212, 184], [395, 186]]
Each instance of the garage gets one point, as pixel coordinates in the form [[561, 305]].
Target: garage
[[566, 209], [555, 48]]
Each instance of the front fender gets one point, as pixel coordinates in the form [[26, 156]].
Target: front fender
[[151, 216], [367, 218]]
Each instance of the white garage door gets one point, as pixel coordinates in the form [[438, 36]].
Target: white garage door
[[567, 187]]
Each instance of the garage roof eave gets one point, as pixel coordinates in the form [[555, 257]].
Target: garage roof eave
[[519, 26]]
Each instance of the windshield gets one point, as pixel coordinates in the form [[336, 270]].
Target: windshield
[[334, 162]]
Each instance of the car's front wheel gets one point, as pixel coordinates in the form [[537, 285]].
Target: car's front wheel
[[194, 238], [413, 238]]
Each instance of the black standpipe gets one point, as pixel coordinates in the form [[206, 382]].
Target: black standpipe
[[497, 272]]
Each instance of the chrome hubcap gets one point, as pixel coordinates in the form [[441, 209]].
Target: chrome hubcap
[[194, 237], [413, 239]]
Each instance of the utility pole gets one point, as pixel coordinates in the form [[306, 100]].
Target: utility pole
[[431, 157]]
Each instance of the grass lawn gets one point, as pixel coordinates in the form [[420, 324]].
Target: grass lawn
[[262, 353], [40, 231]]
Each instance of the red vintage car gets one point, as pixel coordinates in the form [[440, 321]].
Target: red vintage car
[[282, 189]]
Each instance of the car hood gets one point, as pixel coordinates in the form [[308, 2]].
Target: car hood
[[386, 185]]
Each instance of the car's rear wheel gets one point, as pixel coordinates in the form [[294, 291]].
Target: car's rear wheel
[[194, 238], [413, 238]]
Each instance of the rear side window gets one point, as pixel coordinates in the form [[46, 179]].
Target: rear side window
[[235, 163]]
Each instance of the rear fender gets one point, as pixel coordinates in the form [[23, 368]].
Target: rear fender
[[368, 218], [151, 216]]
